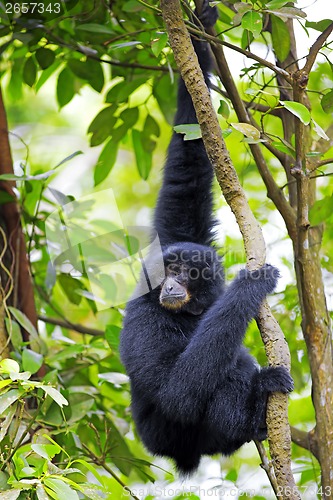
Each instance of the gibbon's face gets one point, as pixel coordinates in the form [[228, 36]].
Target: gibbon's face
[[174, 289], [193, 278]]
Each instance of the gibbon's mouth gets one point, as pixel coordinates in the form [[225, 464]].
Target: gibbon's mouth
[[175, 301]]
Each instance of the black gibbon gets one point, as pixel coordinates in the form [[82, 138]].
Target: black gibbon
[[195, 389]]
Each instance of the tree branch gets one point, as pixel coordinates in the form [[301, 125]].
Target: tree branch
[[311, 58], [64, 323], [10, 211], [306, 440], [213, 39], [276, 347]]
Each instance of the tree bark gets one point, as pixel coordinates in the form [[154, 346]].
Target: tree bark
[[23, 296]]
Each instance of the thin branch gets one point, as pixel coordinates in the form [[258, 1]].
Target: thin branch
[[256, 106], [213, 39], [102, 463], [311, 58], [71, 326], [321, 163], [305, 440], [90, 55], [266, 464]]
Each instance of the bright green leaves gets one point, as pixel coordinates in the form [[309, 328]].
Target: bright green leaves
[[102, 125], [252, 21], [191, 131], [280, 38], [321, 211], [65, 87], [89, 70], [74, 75], [304, 115], [45, 57], [31, 360], [142, 156], [298, 110], [106, 161], [158, 43], [29, 71], [327, 102]]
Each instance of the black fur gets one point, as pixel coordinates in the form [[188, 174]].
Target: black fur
[[195, 389]]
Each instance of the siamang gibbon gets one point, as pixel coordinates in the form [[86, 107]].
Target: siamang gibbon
[[195, 389]]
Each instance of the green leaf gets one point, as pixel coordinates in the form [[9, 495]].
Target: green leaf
[[247, 130], [8, 399], [327, 102], [24, 321], [320, 25], [55, 395], [298, 110], [68, 158], [70, 287], [9, 365], [4, 383], [31, 360], [224, 109], [319, 131], [252, 21], [143, 159], [102, 125], [120, 92], [45, 57], [112, 335], [130, 116], [29, 72], [151, 127], [321, 210], [191, 131], [132, 6], [280, 38], [41, 493], [115, 378], [106, 161], [79, 68], [247, 39], [95, 28], [165, 93], [88, 70], [65, 87], [96, 78], [62, 490], [276, 4], [38, 177], [158, 43], [10, 494], [47, 451], [288, 12]]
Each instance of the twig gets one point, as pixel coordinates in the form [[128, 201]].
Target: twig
[[99, 461], [250, 55], [71, 326], [311, 58], [267, 466], [306, 440]]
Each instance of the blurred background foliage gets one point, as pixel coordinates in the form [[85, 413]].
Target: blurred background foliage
[[91, 86]]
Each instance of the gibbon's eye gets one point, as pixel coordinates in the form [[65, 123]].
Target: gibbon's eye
[[173, 270]]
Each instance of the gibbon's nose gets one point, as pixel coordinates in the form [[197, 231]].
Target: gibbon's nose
[[169, 288]]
